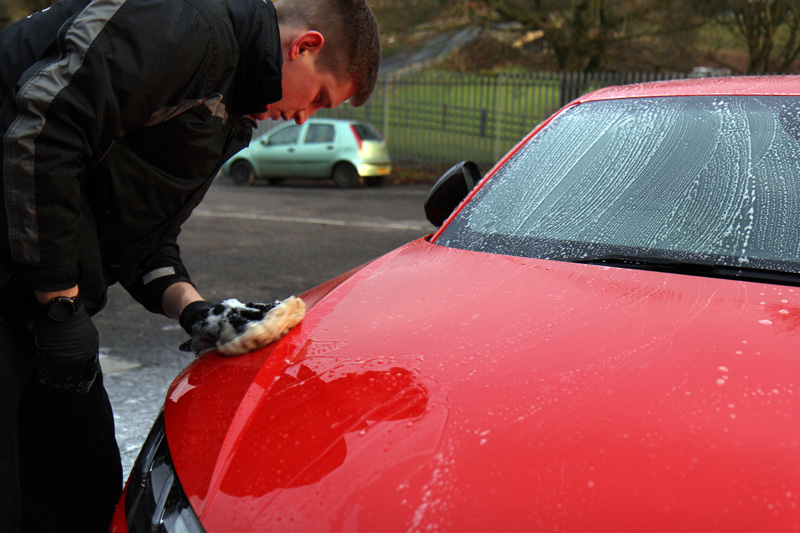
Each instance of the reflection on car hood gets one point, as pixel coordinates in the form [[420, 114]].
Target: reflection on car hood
[[440, 388]]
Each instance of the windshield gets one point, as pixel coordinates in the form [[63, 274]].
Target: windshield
[[712, 179]]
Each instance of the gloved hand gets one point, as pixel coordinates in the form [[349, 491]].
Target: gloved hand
[[68, 351], [234, 328]]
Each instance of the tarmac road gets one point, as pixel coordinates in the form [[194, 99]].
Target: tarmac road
[[258, 244]]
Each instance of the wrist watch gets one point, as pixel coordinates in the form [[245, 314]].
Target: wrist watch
[[62, 308]]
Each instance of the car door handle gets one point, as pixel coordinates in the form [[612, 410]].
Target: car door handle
[[330, 147], [290, 150]]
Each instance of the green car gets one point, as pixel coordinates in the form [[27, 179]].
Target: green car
[[345, 151]]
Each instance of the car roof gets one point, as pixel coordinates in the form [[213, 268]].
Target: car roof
[[333, 120], [733, 85]]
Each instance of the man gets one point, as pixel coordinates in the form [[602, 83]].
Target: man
[[115, 117]]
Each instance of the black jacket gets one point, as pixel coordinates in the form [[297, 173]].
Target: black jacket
[[116, 116]]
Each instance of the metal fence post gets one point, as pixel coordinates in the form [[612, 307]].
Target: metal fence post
[[499, 103], [387, 87]]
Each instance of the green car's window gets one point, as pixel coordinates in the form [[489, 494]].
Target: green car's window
[[319, 133], [715, 178], [285, 136], [367, 132]]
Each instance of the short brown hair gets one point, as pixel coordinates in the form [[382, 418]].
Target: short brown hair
[[351, 38]]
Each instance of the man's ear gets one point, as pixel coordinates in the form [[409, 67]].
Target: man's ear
[[308, 42]]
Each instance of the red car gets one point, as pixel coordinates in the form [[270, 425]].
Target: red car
[[603, 336]]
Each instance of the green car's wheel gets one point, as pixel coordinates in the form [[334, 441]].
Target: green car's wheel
[[242, 173], [345, 175]]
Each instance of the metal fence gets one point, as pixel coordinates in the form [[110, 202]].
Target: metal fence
[[433, 119]]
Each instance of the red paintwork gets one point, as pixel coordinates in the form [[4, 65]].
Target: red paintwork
[[118, 523], [756, 85], [452, 390]]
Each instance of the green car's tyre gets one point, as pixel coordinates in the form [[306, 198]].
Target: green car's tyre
[[242, 173], [345, 175]]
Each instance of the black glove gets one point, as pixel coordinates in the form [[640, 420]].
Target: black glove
[[68, 351], [234, 328]]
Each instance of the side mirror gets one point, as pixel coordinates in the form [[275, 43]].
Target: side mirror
[[450, 190]]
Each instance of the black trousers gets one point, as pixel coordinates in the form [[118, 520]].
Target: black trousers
[[60, 467]]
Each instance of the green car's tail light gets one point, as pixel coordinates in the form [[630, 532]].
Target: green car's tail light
[[357, 136]]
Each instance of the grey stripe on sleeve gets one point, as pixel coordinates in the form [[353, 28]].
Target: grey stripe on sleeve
[[33, 100], [157, 273]]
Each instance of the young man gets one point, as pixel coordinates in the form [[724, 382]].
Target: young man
[[115, 116]]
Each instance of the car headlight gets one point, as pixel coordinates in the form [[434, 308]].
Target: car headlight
[[155, 501]]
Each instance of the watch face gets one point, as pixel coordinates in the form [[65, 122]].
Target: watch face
[[61, 309]]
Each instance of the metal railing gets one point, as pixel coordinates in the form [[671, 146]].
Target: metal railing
[[432, 119]]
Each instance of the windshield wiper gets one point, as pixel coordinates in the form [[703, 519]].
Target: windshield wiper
[[699, 266], [634, 261]]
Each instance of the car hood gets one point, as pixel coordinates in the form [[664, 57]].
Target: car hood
[[441, 388]]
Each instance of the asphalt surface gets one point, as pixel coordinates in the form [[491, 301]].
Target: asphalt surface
[[257, 244]]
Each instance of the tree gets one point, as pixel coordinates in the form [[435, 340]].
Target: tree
[[590, 35], [400, 18], [770, 30]]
